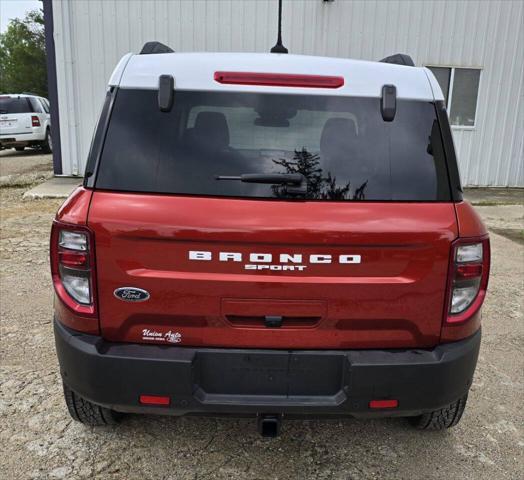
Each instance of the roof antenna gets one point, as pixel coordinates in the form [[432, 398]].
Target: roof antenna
[[279, 48]]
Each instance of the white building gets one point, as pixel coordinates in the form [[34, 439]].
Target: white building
[[476, 47]]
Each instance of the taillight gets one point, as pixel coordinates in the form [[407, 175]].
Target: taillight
[[35, 121], [469, 272], [72, 267], [279, 79]]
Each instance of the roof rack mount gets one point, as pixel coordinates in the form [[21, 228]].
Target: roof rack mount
[[399, 59], [155, 47]]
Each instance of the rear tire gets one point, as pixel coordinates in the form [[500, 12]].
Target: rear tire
[[47, 146], [84, 411], [19, 149], [446, 417]]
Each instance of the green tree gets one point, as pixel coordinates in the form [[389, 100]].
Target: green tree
[[22, 55]]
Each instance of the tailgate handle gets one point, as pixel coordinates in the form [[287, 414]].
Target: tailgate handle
[[273, 321]]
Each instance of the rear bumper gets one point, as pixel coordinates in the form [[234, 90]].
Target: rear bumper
[[250, 381], [22, 139]]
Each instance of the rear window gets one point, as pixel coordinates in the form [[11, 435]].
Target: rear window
[[341, 145], [45, 104], [15, 105]]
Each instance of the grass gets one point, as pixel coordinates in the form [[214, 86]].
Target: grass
[[514, 234], [494, 203]]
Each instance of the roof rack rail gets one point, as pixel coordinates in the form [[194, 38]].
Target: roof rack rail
[[399, 59], [155, 47]]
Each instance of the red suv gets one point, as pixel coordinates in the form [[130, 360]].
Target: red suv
[[269, 235]]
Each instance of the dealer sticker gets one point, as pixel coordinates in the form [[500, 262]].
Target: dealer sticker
[[161, 337]]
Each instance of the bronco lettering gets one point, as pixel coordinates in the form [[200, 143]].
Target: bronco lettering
[[268, 257]]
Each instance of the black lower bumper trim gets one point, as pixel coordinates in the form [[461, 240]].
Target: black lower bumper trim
[[251, 381]]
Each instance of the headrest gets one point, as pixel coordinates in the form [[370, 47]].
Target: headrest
[[211, 128], [338, 137]]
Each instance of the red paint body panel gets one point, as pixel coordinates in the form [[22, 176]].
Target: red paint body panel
[[469, 222], [74, 210], [74, 320], [393, 298]]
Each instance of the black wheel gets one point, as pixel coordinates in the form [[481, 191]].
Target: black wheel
[[47, 146], [84, 411], [19, 149], [446, 417]]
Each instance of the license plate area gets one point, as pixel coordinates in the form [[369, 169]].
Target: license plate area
[[282, 374]]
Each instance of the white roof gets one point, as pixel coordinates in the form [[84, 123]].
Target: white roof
[[195, 71]]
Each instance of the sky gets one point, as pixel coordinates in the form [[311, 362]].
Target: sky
[[15, 8]]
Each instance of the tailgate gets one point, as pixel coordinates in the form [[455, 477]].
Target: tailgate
[[271, 274], [15, 123]]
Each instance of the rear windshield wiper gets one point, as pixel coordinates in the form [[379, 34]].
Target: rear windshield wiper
[[296, 180], [272, 178]]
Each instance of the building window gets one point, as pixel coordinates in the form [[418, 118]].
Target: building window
[[460, 87]]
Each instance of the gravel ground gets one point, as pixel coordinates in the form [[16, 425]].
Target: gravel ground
[[39, 440]]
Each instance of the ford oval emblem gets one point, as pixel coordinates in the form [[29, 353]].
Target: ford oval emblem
[[131, 294]]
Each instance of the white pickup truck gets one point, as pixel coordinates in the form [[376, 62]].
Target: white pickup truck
[[25, 122]]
